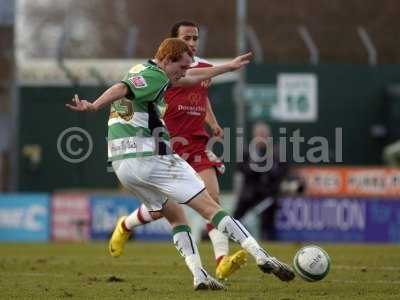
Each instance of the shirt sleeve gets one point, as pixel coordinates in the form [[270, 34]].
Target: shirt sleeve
[[145, 86]]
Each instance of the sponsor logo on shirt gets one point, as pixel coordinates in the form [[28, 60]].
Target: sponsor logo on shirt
[[192, 110], [194, 106], [125, 144], [138, 81]]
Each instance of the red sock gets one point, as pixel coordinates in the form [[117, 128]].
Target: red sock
[[209, 227], [124, 226], [218, 260]]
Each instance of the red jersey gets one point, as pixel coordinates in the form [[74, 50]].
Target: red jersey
[[186, 108], [184, 117]]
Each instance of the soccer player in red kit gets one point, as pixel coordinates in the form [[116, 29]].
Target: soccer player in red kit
[[188, 110]]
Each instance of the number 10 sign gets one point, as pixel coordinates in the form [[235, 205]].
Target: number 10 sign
[[297, 97]]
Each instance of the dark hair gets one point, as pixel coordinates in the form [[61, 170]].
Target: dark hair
[[175, 27]]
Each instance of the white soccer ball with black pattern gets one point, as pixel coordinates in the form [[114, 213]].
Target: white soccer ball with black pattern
[[312, 263]]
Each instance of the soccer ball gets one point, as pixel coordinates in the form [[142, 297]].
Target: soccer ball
[[312, 263]]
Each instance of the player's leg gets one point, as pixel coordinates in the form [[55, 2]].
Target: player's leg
[[221, 220], [186, 246], [226, 264], [210, 179], [219, 241], [141, 216], [144, 177], [185, 183], [122, 233]]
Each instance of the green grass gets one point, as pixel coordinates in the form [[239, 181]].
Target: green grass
[[156, 271]]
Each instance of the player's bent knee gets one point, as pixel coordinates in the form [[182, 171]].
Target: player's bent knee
[[155, 215], [215, 197], [204, 205]]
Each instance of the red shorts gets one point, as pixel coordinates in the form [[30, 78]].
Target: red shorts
[[196, 154]]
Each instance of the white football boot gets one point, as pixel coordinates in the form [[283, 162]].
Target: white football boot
[[206, 282], [274, 266]]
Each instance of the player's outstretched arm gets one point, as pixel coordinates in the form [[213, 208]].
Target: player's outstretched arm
[[114, 93], [196, 75]]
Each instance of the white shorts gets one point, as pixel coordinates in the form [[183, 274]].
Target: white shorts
[[153, 179]]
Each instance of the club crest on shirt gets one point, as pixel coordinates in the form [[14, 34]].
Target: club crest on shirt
[[122, 108], [194, 99], [138, 81]]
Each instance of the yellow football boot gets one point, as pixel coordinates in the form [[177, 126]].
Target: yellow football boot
[[118, 239], [230, 264]]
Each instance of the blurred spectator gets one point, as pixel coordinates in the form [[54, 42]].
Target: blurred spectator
[[264, 177]]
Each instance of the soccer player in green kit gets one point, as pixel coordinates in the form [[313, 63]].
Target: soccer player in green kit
[[188, 110], [138, 147]]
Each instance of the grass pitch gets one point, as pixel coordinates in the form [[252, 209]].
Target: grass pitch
[[156, 271]]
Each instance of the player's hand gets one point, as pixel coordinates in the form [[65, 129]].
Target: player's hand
[[240, 61], [80, 105], [217, 131]]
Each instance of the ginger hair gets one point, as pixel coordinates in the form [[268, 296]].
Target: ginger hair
[[172, 48]]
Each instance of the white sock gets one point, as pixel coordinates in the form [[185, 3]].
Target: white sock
[[219, 241], [139, 217], [233, 229], [255, 250], [238, 233], [186, 246]]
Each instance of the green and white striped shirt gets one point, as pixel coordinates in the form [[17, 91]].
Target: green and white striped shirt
[[135, 121]]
